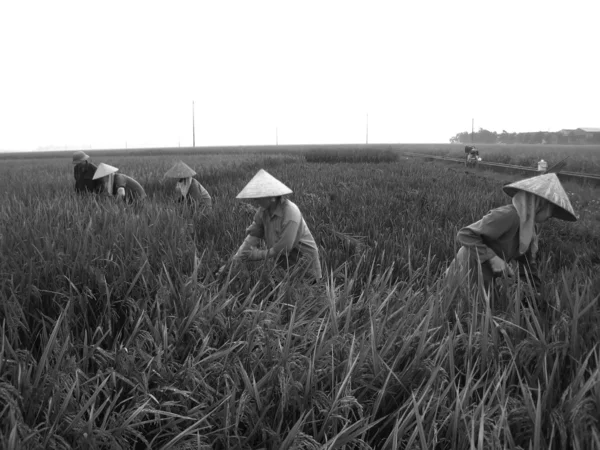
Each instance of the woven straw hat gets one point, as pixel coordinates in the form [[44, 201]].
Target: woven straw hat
[[180, 170], [263, 184], [548, 187], [79, 157], [104, 170]]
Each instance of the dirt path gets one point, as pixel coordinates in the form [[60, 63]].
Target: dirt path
[[585, 199], [503, 177]]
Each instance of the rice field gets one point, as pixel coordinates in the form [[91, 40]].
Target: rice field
[[118, 332], [581, 158]]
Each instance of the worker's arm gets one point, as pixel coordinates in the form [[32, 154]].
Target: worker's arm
[[287, 238], [285, 244], [254, 233], [120, 183], [257, 228], [245, 250], [491, 226]]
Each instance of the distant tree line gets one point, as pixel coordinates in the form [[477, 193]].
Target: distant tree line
[[537, 137]]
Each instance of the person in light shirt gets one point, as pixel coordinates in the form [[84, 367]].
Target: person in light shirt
[[511, 233], [188, 188], [279, 223], [118, 185]]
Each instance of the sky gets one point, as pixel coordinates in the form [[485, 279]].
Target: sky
[[126, 73]]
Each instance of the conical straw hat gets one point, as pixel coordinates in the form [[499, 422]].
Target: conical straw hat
[[548, 187], [180, 170], [262, 185], [79, 157], [103, 170]]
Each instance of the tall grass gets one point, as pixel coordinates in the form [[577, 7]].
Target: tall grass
[[117, 333]]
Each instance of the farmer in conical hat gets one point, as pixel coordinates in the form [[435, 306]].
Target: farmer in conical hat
[[280, 224], [119, 185], [510, 232], [84, 174], [190, 190]]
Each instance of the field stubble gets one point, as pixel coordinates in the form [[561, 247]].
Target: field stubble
[[117, 333]]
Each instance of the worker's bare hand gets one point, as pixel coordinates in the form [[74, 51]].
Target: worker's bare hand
[[256, 254], [500, 267]]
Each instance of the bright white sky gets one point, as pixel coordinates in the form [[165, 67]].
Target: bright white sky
[[113, 73]]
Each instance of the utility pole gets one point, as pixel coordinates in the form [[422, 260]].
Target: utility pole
[[472, 129], [193, 126], [367, 128]]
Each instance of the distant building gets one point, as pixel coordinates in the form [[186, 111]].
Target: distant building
[[591, 134], [580, 136]]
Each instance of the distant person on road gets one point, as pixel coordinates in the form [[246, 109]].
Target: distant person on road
[[189, 190], [468, 150], [473, 158], [279, 223], [471, 153], [510, 232], [118, 185], [84, 174]]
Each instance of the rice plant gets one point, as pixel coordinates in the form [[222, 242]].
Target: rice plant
[[118, 331]]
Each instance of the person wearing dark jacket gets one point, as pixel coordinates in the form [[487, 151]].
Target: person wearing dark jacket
[[510, 232], [84, 172]]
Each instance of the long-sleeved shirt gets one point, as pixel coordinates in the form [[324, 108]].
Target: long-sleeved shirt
[[133, 189], [198, 194], [497, 234], [285, 230], [84, 174]]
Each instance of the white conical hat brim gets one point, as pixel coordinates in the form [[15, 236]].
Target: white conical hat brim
[[263, 184], [546, 186], [180, 170], [104, 170]]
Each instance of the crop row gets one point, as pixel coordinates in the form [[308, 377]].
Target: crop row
[[116, 332]]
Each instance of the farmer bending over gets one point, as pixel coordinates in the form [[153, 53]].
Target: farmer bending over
[[510, 232], [280, 224], [189, 189], [118, 185]]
